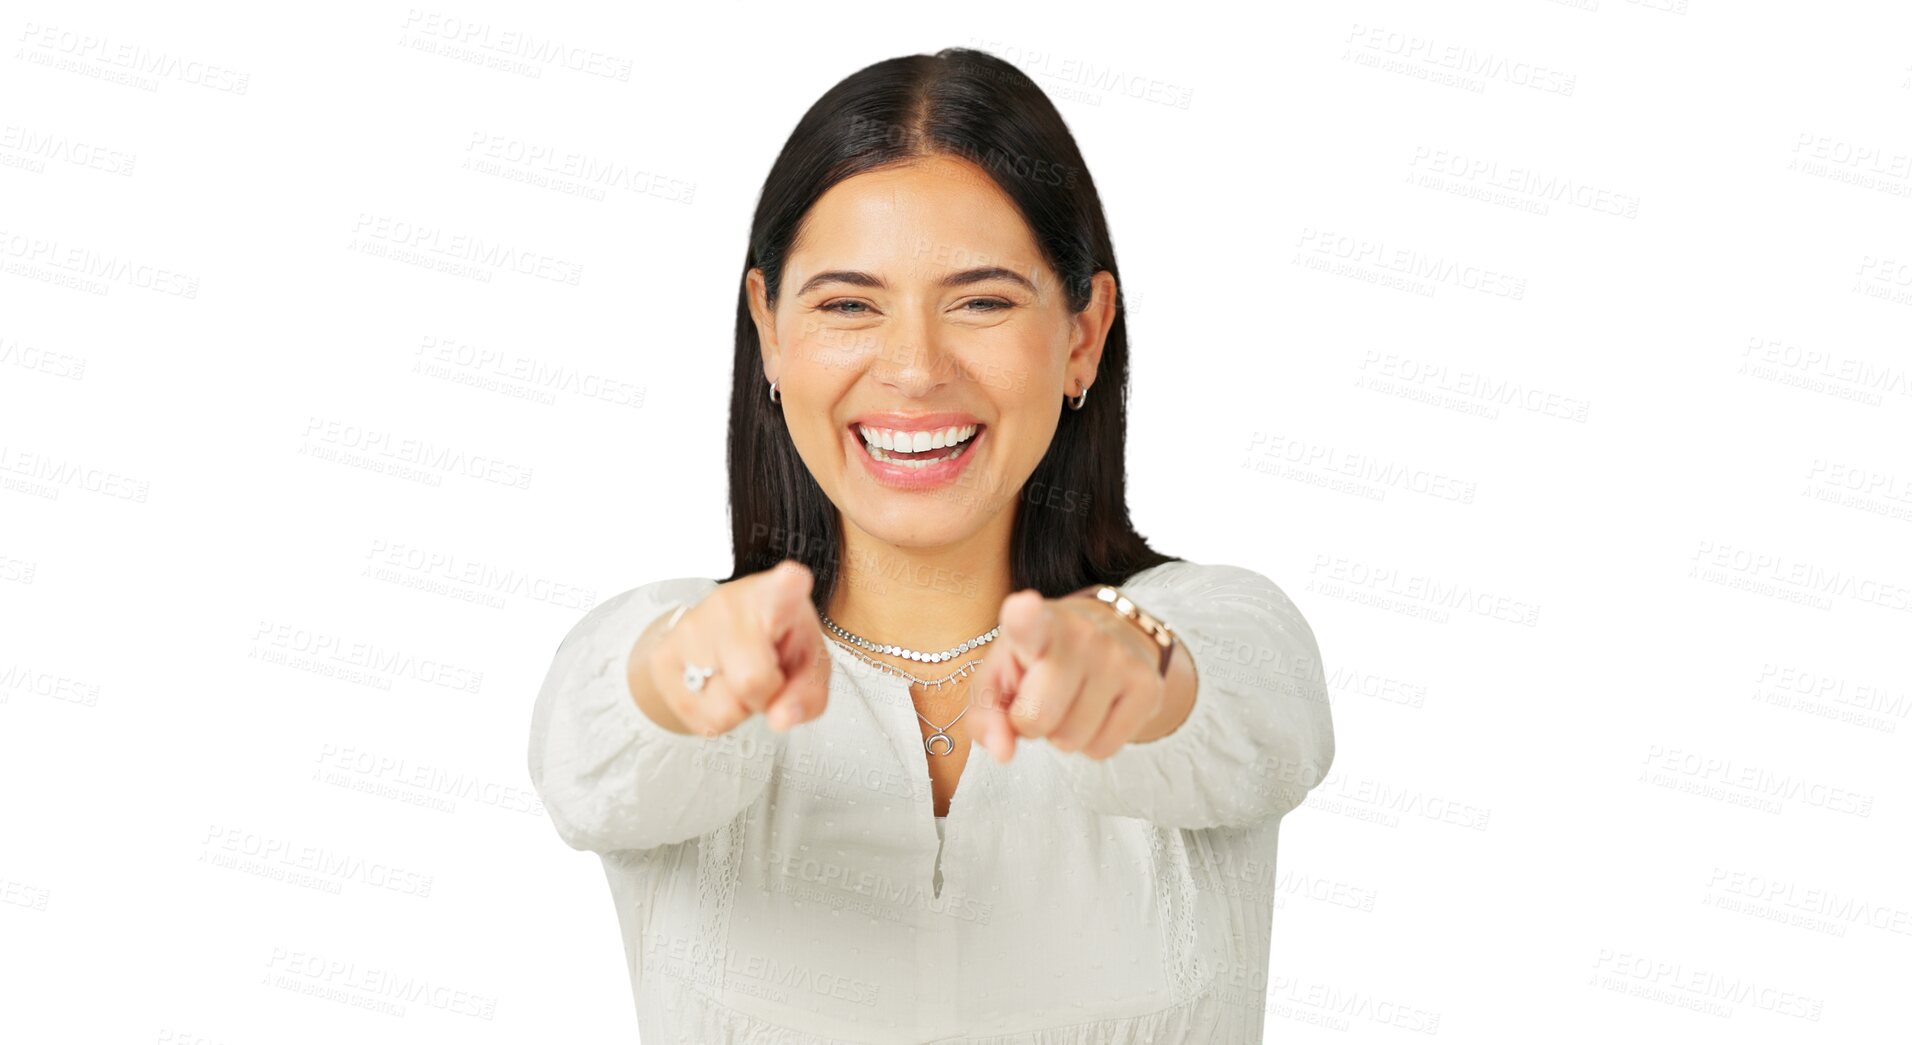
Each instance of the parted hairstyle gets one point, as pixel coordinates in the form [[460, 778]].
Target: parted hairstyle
[[1072, 523]]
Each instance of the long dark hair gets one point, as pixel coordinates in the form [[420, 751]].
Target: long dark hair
[[1072, 519]]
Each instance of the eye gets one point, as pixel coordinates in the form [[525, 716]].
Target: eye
[[831, 306], [996, 304]]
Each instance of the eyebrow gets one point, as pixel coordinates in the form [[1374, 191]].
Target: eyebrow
[[954, 279]]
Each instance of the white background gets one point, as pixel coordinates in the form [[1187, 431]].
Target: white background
[[1601, 519]]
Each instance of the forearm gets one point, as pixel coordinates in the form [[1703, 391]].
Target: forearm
[[1254, 735], [610, 774], [1178, 700]]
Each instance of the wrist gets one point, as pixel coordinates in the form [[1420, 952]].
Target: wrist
[[1160, 639], [1179, 679], [642, 684], [1178, 698]]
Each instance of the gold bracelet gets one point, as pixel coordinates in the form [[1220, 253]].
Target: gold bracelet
[[1154, 629]]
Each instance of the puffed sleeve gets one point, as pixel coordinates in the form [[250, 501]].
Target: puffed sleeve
[[610, 776], [1259, 735]]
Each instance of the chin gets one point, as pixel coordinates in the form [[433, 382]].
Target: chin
[[923, 522]]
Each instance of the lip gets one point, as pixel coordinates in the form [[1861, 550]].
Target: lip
[[916, 422], [900, 477]]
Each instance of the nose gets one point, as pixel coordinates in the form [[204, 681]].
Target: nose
[[916, 359]]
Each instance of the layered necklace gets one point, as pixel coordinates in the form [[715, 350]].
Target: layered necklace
[[851, 642], [898, 651]]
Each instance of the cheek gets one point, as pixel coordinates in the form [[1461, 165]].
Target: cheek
[[817, 345], [1031, 440], [817, 440], [819, 367], [1030, 380], [1017, 374], [1041, 363]]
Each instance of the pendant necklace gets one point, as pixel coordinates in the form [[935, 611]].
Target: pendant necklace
[[939, 732]]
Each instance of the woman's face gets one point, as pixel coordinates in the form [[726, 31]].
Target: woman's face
[[917, 311]]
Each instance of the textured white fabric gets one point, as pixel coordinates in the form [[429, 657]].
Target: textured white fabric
[[792, 889]]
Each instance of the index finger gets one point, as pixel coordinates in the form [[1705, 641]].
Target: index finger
[[783, 600], [990, 695]]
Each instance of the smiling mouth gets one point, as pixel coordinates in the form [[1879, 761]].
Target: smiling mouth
[[951, 444]]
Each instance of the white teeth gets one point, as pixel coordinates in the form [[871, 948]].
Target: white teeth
[[877, 440], [919, 462], [915, 442]]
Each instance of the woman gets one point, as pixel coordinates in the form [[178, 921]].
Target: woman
[[777, 768]]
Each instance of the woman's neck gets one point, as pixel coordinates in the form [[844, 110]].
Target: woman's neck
[[927, 599]]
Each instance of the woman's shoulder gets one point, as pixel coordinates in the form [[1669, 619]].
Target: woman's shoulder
[[646, 597], [660, 591], [1217, 581], [1186, 574]]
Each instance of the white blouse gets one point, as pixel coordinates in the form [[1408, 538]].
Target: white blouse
[[785, 888]]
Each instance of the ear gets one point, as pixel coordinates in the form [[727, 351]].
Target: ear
[[1089, 332], [755, 292]]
